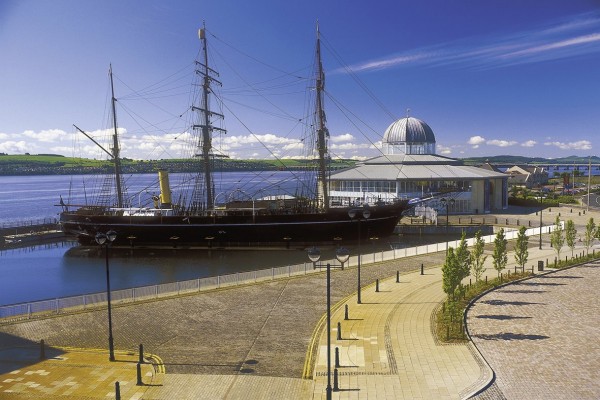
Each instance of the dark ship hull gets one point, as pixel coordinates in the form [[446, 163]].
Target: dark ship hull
[[242, 230]]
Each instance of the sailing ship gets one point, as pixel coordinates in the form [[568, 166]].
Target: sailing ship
[[196, 221]]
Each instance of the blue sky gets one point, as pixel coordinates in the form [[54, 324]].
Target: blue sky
[[490, 77]]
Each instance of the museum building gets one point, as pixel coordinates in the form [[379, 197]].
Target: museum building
[[410, 169]]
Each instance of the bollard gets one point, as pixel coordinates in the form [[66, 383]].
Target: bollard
[[139, 374], [42, 350], [515, 269], [377, 285], [580, 213], [422, 273], [486, 279], [141, 360], [547, 262], [336, 387], [554, 262], [337, 357], [533, 273], [339, 332], [540, 265], [117, 391], [346, 312], [397, 276], [469, 282]]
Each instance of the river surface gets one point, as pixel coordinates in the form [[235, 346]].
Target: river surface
[[65, 269]]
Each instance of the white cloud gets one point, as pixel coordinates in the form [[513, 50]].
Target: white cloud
[[529, 143], [443, 149], [476, 141], [571, 36], [46, 136], [294, 146], [349, 146], [13, 147], [347, 137], [501, 143], [579, 145]]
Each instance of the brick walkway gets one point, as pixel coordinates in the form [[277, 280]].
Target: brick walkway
[[541, 336]]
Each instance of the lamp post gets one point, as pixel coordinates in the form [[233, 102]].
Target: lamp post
[[106, 239], [447, 203], [342, 255], [365, 214]]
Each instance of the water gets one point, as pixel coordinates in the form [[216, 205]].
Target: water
[[65, 269]]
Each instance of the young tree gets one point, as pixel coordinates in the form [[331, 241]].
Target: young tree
[[477, 257], [521, 247], [463, 257], [557, 239], [500, 256], [590, 231], [571, 235], [450, 275]]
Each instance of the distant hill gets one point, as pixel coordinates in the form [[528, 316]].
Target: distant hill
[[506, 159]]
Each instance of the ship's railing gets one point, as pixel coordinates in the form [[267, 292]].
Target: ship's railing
[[144, 293]]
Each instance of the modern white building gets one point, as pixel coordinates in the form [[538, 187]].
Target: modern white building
[[410, 169]]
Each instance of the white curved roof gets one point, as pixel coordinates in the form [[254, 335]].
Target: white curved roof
[[408, 130]]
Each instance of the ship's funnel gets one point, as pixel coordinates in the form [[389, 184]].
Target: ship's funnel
[[165, 189]]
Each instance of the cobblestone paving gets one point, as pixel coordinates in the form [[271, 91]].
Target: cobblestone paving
[[261, 329], [541, 336]]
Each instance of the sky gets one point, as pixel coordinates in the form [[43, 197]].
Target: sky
[[517, 77]]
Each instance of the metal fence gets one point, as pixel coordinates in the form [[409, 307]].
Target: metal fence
[[152, 292]]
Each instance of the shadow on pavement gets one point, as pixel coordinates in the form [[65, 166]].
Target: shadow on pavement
[[522, 291], [510, 303], [17, 352], [502, 317], [510, 336]]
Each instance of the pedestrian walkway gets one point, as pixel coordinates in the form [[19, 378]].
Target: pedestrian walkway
[[72, 373], [387, 350]]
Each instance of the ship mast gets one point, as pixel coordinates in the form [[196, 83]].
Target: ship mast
[[322, 132], [115, 149], [205, 124]]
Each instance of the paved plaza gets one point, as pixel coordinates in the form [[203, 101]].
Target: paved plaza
[[534, 339]]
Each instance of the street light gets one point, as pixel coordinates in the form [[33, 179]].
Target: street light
[[342, 255], [447, 203], [353, 213], [106, 239]]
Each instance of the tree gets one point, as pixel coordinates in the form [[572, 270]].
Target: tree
[[463, 257], [477, 257], [571, 235], [521, 247], [500, 258], [557, 239], [450, 275], [590, 231]]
